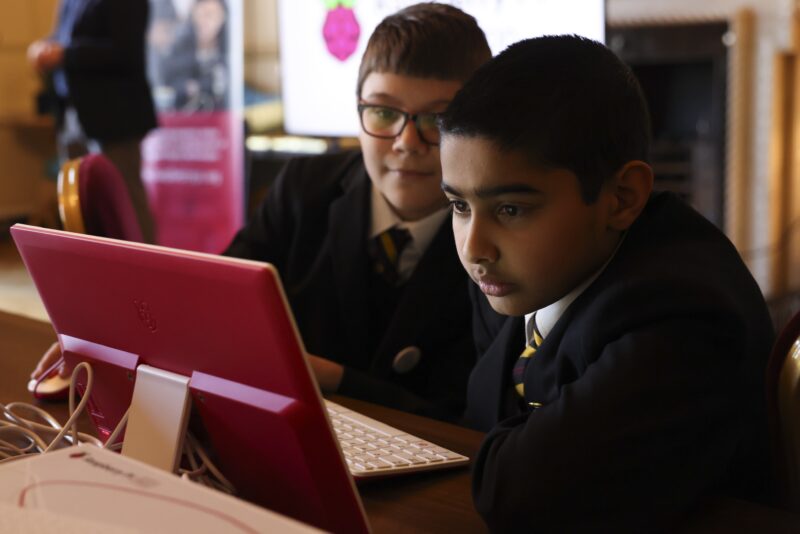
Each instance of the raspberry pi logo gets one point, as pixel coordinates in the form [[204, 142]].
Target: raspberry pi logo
[[341, 30]]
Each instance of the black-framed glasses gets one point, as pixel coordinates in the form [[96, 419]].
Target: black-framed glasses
[[387, 122]]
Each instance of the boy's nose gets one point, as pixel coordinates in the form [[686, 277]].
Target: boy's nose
[[408, 140], [478, 246]]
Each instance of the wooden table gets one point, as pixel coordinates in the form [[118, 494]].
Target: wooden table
[[426, 502]]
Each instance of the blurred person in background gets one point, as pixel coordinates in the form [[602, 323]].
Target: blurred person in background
[[96, 58]]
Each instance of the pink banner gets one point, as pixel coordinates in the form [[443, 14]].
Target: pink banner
[[192, 165], [193, 168]]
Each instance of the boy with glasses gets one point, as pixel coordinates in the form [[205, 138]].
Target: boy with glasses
[[363, 240]]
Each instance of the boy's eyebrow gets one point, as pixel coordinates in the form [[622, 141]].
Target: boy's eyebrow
[[394, 101], [487, 192]]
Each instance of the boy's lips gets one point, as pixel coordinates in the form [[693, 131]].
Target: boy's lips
[[494, 287], [411, 173]]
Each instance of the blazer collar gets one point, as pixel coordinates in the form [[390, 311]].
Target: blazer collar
[[348, 223]]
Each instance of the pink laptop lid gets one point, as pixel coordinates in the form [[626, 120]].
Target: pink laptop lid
[[224, 323]]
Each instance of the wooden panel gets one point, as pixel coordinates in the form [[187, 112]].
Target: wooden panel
[[18, 85], [25, 21], [784, 169], [44, 16], [261, 45], [24, 150], [260, 27], [780, 164], [790, 237], [740, 127], [22, 23], [17, 25]]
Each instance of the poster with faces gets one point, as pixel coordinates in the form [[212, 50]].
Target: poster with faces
[[192, 164], [322, 41]]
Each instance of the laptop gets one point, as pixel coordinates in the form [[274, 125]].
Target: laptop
[[225, 325]]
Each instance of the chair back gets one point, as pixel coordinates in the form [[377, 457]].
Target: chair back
[[93, 199], [783, 403]]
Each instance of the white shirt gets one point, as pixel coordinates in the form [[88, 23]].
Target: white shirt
[[547, 317], [422, 231]]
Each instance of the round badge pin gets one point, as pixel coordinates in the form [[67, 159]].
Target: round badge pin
[[406, 360]]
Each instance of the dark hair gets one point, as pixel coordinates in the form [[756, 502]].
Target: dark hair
[[425, 40], [564, 101]]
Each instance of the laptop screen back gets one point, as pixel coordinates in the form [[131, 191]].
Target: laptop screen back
[[224, 323]]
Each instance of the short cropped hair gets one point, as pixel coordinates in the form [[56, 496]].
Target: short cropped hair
[[564, 101], [426, 40]]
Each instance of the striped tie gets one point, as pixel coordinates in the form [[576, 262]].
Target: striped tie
[[518, 373], [385, 250]]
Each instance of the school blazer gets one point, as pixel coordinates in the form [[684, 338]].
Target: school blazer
[[105, 69], [313, 226], [651, 385]]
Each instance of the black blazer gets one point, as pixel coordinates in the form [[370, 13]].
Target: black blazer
[[105, 69], [313, 226], [651, 384]]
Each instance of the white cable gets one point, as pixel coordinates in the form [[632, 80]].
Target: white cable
[[111, 441], [46, 431], [22, 435], [221, 483], [72, 422]]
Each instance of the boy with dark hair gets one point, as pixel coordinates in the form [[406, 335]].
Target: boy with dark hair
[[632, 387], [363, 240]]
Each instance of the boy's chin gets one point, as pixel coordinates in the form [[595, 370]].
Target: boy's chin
[[509, 306]]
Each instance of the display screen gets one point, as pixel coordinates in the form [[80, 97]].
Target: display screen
[[322, 41]]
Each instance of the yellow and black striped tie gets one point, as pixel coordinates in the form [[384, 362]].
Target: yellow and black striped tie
[[385, 250], [518, 373]]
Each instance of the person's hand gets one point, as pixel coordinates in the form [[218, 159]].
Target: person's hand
[[34, 51], [48, 360], [51, 57], [45, 55], [328, 373]]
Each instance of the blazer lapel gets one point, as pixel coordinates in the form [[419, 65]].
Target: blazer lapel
[[348, 223], [428, 294], [490, 381]]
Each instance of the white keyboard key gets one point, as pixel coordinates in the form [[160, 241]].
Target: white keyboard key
[[380, 464], [373, 448], [410, 458]]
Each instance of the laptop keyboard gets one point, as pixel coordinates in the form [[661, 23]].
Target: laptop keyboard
[[372, 448]]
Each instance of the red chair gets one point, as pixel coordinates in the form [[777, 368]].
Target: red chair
[[783, 404], [93, 199]]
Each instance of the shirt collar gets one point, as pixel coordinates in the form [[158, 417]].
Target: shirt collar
[[547, 317], [422, 231]]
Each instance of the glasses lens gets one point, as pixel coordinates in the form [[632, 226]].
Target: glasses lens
[[426, 126], [382, 121]]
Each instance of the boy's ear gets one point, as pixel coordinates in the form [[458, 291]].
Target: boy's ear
[[630, 188]]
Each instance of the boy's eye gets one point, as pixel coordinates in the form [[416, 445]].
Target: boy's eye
[[427, 121], [383, 116], [458, 206], [511, 210]]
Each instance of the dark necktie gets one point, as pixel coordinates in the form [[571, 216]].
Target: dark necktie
[[518, 373], [385, 250]]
